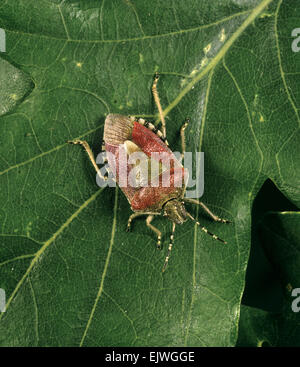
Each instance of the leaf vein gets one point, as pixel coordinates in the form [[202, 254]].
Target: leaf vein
[[100, 290], [47, 244], [134, 39]]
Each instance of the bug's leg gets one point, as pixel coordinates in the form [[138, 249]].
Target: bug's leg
[[169, 248], [90, 154], [215, 237], [182, 135], [134, 215], [157, 101], [154, 229], [131, 218], [208, 211]]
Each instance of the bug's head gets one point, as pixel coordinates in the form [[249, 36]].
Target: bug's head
[[175, 211]]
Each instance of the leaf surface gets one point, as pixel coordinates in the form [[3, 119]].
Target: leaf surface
[[71, 273]]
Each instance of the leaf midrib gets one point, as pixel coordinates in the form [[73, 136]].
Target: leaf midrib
[[216, 59]]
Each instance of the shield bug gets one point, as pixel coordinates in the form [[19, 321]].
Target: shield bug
[[124, 136]]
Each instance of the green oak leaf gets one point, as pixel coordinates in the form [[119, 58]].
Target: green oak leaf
[[72, 275]]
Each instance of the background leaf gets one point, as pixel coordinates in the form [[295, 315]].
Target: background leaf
[[262, 328], [71, 273]]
